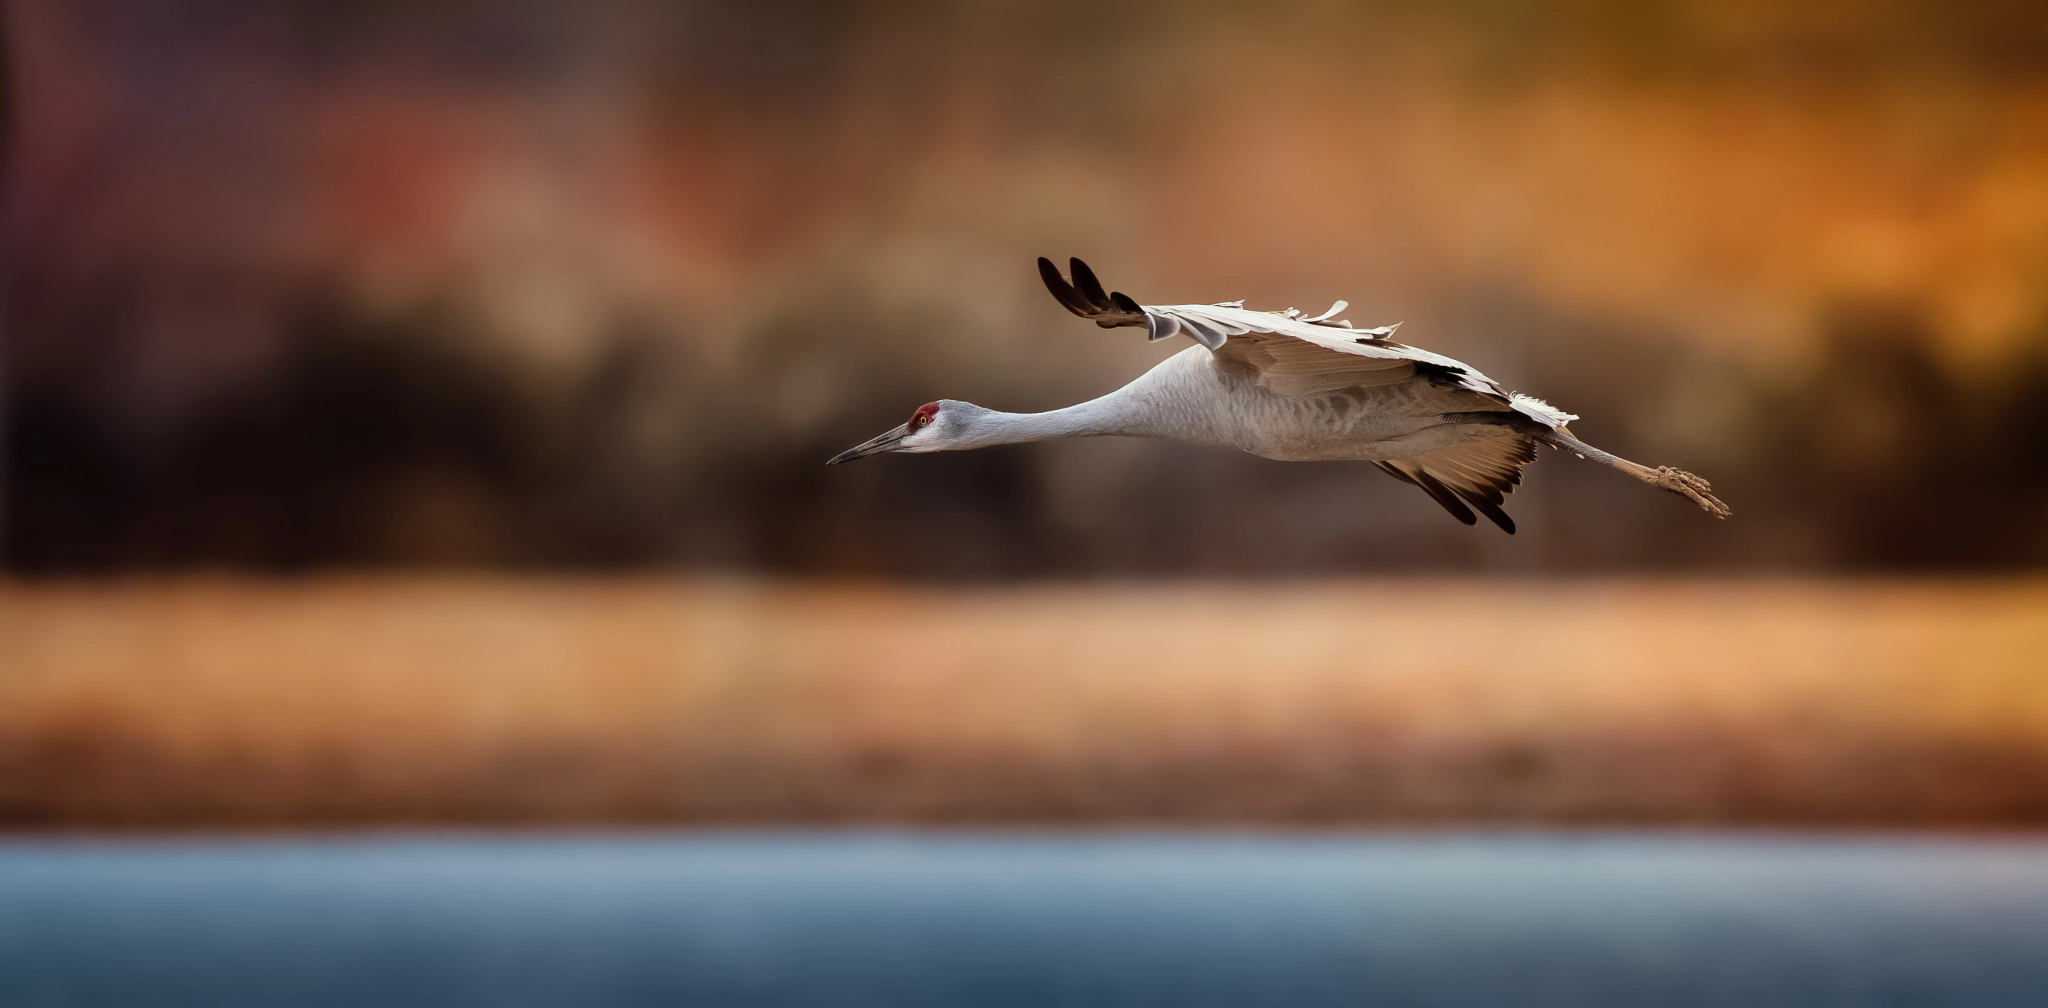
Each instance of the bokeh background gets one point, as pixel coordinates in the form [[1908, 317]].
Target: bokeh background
[[414, 412]]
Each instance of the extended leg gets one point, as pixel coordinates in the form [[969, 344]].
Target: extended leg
[[1677, 481]]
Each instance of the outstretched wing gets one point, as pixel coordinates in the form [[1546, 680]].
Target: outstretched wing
[[1213, 325], [1479, 473]]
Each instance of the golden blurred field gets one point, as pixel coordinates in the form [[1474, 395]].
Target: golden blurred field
[[454, 699]]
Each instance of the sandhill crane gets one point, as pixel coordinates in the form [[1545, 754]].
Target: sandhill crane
[[1294, 388]]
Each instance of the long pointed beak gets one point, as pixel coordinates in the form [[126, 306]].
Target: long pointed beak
[[873, 446]]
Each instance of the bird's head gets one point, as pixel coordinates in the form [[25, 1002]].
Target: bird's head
[[935, 426]]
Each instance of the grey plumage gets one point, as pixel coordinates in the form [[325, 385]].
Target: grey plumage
[[1295, 388]]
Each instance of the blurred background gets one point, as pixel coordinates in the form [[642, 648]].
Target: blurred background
[[341, 334], [416, 412], [343, 283], [414, 416]]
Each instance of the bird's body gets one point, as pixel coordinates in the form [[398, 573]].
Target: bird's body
[[1213, 400], [1297, 390]]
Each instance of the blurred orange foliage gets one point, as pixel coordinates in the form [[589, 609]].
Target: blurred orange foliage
[[372, 700], [351, 283]]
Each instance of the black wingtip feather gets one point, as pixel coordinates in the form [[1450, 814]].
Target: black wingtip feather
[[1444, 496], [1062, 291], [1090, 287], [1453, 501], [1486, 492], [1491, 509]]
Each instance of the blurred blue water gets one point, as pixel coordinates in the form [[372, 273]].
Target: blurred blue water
[[1005, 919]]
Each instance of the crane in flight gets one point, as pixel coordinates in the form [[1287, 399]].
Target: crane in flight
[[1297, 389]]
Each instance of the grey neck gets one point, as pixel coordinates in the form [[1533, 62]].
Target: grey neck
[[1108, 415]]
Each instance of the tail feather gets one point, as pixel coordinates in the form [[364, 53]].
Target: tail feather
[[1537, 409]]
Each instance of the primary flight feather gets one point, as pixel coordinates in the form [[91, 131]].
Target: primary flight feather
[[1294, 388]]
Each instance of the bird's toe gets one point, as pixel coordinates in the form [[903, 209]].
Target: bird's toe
[[1693, 488]]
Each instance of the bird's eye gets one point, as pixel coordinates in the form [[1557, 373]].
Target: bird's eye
[[924, 420]]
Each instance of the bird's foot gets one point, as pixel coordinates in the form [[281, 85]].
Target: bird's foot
[[1692, 488]]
